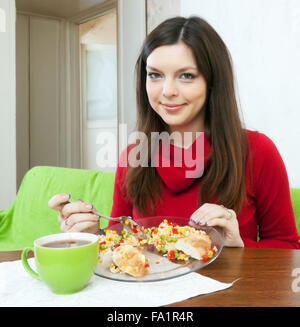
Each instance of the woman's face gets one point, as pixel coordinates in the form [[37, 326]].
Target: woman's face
[[176, 89]]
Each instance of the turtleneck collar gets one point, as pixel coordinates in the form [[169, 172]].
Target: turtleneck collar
[[180, 167]]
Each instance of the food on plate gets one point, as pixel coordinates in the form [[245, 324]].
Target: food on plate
[[124, 253], [194, 245], [105, 258], [109, 243], [167, 236], [130, 259]]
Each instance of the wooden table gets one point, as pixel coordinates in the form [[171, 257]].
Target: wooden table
[[266, 278]]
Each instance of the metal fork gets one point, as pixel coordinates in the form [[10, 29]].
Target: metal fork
[[132, 227], [128, 223]]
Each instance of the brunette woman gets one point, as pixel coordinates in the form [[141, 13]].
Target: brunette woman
[[185, 85]]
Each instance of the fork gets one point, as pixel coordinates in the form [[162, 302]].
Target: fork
[[127, 222], [133, 226]]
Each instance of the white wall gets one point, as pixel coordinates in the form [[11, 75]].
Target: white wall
[[263, 38], [7, 104], [131, 34], [47, 93]]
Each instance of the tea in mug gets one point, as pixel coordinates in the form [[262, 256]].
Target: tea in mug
[[65, 244]]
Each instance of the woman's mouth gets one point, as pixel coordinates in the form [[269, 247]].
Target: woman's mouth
[[172, 107]]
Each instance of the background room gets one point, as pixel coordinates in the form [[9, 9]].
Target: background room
[[67, 74]]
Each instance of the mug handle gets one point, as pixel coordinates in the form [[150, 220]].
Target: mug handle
[[26, 264]]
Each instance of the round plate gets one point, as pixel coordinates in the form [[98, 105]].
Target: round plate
[[160, 267]]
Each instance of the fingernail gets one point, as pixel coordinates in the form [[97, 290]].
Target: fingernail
[[205, 224], [192, 220], [89, 206], [199, 222], [67, 196]]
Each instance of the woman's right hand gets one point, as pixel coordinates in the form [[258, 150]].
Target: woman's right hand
[[74, 216]]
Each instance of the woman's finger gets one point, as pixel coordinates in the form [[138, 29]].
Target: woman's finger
[[75, 207], [204, 210], [60, 219], [231, 214], [58, 201], [63, 227], [85, 226], [79, 218], [221, 222], [198, 214], [210, 215], [202, 215]]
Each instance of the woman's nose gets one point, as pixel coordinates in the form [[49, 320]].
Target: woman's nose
[[169, 88]]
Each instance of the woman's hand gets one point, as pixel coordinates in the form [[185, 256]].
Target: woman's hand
[[74, 216], [217, 215]]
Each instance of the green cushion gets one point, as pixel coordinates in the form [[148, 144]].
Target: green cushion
[[295, 195], [29, 216]]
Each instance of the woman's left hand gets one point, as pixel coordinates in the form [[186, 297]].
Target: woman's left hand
[[217, 215]]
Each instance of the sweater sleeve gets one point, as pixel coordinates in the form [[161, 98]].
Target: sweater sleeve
[[121, 204], [276, 220]]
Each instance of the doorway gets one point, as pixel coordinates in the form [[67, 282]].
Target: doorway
[[50, 125], [99, 94]]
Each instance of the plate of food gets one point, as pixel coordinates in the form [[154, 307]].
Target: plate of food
[[169, 248]]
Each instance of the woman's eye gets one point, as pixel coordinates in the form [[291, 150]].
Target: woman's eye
[[187, 76], [153, 75]]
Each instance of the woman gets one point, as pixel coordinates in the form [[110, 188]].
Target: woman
[[185, 84]]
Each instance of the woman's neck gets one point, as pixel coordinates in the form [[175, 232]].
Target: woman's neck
[[187, 134], [183, 139]]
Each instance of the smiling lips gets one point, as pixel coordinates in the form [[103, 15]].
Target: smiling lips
[[171, 106]]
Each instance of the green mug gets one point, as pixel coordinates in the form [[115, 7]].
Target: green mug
[[65, 261]]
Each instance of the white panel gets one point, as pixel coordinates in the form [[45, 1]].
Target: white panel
[[101, 75], [101, 107], [101, 150], [69, 89], [99, 96], [7, 104], [131, 34], [264, 40], [22, 95], [2, 21], [44, 91], [73, 84]]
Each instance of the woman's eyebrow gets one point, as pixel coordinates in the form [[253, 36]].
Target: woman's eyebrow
[[177, 71]]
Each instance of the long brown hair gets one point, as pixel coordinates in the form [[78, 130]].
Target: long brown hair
[[224, 177]]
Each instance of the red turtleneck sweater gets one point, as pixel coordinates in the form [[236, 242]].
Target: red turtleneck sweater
[[268, 206]]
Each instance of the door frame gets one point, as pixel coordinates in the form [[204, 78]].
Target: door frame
[[131, 31], [73, 115], [7, 104], [82, 59]]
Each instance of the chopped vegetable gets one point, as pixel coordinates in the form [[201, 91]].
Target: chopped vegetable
[[162, 237], [171, 255]]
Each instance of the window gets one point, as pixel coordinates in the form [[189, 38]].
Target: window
[[98, 38]]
